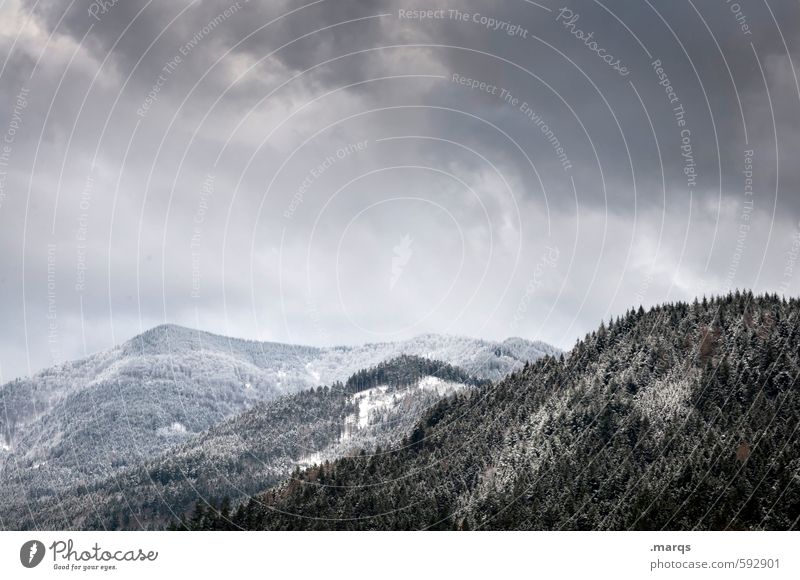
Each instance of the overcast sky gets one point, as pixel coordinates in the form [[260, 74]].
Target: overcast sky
[[343, 171]]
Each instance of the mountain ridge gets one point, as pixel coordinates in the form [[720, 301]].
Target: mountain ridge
[[681, 417], [84, 420]]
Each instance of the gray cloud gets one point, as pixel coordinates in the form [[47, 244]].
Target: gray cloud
[[185, 162]]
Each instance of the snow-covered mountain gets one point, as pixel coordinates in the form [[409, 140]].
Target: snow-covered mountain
[[480, 358], [255, 449], [83, 421]]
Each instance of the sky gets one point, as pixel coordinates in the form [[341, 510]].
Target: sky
[[345, 171]]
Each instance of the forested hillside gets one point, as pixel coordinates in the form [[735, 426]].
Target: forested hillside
[[682, 417], [253, 450], [83, 422]]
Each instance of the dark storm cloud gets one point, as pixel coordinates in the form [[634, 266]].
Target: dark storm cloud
[[694, 62], [487, 168], [147, 34]]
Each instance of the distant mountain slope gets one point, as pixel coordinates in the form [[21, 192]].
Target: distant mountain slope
[[83, 420], [253, 450], [683, 417], [484, 359]]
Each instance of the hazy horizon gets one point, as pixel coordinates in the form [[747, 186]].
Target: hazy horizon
[[223, 334]]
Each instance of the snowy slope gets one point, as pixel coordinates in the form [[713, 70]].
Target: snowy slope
[[480, 358], [250, 451], [82, 421], [383, 415]]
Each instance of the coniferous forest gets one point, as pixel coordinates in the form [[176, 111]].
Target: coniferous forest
[[681, 417]]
